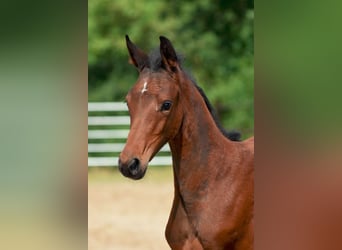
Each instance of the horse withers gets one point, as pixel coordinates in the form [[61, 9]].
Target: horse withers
[[213, 174]]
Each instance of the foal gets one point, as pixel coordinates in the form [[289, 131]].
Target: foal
[[213, 175]]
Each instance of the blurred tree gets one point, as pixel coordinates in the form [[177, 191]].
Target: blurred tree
[[215, 36]]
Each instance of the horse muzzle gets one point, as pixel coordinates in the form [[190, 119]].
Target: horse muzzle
[[132, 168]]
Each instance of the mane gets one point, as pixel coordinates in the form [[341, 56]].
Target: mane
[[155, 64], [232, 134]]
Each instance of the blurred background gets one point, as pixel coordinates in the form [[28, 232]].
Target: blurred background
[[43, 110], [216, 40]]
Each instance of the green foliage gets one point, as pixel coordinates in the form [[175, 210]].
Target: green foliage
[[216, 38]]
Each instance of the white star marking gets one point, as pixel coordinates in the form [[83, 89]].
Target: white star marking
[[144, 89]]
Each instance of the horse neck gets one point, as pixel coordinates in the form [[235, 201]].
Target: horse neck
[[197, 136]]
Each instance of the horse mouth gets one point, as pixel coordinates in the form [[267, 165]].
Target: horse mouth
[[133, 170], [139, 175]]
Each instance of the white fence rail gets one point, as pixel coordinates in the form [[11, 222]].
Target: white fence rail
[[99, 134]]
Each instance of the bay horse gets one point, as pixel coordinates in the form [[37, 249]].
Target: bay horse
[[213, 173]]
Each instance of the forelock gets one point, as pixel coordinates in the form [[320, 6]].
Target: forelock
[[155, 60]]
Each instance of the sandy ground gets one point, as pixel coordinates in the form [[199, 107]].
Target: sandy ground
[[127, 215]]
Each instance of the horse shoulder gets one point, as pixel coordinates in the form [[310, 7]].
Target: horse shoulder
[[237, 220]]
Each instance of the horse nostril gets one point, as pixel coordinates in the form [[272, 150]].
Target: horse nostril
[[133, 166]]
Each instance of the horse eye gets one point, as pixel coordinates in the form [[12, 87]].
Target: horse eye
[[166, 106]]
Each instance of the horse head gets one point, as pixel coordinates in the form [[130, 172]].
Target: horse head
[[154, 107]]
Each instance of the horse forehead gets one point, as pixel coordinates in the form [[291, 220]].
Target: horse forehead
[[149, 85]]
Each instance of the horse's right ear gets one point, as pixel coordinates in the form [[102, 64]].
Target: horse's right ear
[[168, 54], [137, 57]]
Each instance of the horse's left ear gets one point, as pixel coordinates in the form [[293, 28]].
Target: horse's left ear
[[168, 54], [137, 57]]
